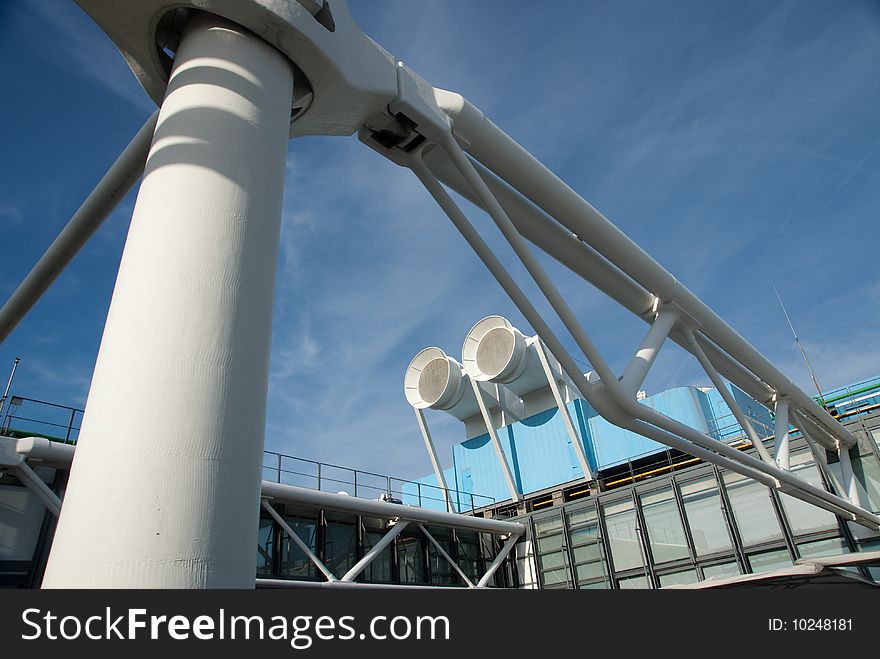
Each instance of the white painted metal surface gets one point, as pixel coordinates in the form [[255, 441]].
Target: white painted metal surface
[[176, 504], [188, 330], [496, 351], [435, 380]]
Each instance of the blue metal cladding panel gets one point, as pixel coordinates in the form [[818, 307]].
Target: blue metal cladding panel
[[541, 456], [538, 449], [613, 445], [722, 422], [425, 492]]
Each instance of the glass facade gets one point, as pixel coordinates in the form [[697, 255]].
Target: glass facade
[[339, 540], [703, 507], [664, 526], [623, 535], [695, 524]]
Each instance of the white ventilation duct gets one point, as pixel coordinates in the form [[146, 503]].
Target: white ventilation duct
[[436, 381], [495, 351]]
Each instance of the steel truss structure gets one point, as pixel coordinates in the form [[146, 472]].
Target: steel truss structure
[[14, 454], [308, 60]]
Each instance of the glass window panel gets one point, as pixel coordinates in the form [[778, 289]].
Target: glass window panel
[[556, 559], [590, 570], [553, 577], [633, 583], [831, 547], [587, 553], [702, 505], [265, 548], [596, 585], [410, 559], [730, 569], [767, 561], [340, 547], [294, 562], [580, 517], [379, 569], [871, 545], [867, 471], [584, 534], [665, 532], [551, 543], [752, 509], [470, 559], [548, 525], [804, 517], [683, 577], [620, 522]]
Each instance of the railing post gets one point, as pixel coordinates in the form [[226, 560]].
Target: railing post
[[419, 489], [69, 426], [279, 467], [319, 476], [355, 482]]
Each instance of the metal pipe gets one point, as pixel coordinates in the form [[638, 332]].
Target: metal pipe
[[293, 535], [444, 554], [738, 462], [721, 388], [637, 370], [385, 510], [531, 314], [188, 333], [561, 307], [375, 550], [782, 435], [46, 451], [36, 485], [109, 191], [511, 162], [563, 411], [9, 382], [499, 450], [546, 234], [432, 454], [579, 257], [499, 559], [291, 583]]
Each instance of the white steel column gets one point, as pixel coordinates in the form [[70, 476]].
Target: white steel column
[[435, 462], [563, 411], [515, 494], [782, 435], [165, 485], [635, 372]]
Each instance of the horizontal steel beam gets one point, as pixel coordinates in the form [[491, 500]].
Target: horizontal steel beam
[[356, 505]]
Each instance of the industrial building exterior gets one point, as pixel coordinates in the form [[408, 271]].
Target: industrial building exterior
[[649, 518]]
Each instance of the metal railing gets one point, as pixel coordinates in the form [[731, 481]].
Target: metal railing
[[327, 477], [30, 416]]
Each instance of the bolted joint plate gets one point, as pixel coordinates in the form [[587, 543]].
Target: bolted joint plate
[[349, 76]]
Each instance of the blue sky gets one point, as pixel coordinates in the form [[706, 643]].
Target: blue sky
[[737, 142]]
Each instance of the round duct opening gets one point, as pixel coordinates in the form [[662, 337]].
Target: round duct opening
[[494, 351], [434, 380]]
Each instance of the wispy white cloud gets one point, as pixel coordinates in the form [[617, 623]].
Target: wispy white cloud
[[10, 216], [88, 50]]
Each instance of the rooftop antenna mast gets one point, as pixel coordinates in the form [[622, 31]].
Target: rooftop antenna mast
[[800, 346]]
